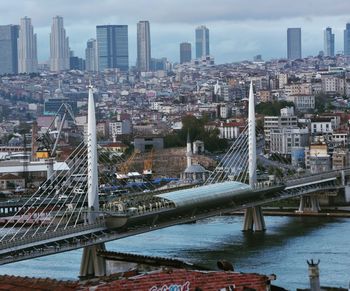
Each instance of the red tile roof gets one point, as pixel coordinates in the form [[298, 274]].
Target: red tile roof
[[185, 280]]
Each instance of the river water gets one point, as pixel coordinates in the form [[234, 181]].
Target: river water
[[283, 249]]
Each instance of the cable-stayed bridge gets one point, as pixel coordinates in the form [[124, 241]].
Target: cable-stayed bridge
[[66, 214]]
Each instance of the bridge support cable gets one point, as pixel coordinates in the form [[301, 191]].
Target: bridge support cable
[[229, 158], [33, 209], [71, 196], [45, 209], [93, 265], [215, 175]]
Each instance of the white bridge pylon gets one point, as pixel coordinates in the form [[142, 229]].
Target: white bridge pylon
[[91, 263], [253, 217]]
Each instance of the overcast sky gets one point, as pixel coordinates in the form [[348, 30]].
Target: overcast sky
[[239, 29]]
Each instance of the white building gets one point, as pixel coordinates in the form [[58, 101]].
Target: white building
[[120, 127], [321, 125], [302, 103], [276, 122], [59, 46], [27, 47], [282, 140]]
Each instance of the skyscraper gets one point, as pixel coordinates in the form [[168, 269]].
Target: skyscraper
[[112, 47], [59, 46], [143, 46], [328, 42], [91, 55], [185, 52], [8, 49], [202, 42], [347, 40], [294, 43], [27, 47]]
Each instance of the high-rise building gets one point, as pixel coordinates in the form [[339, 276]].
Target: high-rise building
[[185, 52], [112, 47], [8, 49], [328, 42], [91, 55], [59, 46], [347, 40], [143, 46], [294, 43], [202, 42], [27, 47]]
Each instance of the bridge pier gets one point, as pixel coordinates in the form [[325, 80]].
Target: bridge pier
[[302, 204], [93, 265], [310, 203], [315, 203], [254, 219]]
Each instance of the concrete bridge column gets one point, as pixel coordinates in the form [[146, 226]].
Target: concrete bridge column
[[93, 265], [343, 179], [315, 203], [301, 204], [254, 219]]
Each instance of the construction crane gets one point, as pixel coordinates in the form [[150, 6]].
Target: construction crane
[[148, 164], [48, 147]]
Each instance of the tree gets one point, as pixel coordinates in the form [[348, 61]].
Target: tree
[[196, 129], [272, 108]]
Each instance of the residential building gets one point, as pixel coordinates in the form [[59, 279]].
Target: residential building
[[27, 47], [282, 80], [59, 46], [185, 52], [340, 158], [303, 103], [8, 49], [146, 143], [332, 84], [112, 47], [91, 55], [202, 42], [143, 46], [276, 122], [321, 125], [282, 140], [294, 43], [120, 127], [347, 40], [328, 42], [319, 160], [298, 89]]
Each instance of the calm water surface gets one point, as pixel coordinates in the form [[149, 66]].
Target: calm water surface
[[283, 249]]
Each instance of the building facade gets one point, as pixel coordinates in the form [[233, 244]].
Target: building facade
[[347, 40], [294, 43], [91, 55], [328, 42], [8, 49], [202, 42], [112, 47], [59, 46], [185, 52], [143, 46], [27, 47]]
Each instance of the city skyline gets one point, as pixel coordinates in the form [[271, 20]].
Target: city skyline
[[263, 25]]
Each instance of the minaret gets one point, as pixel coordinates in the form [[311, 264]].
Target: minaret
[[251, 138], [92, 159], [189, 150]]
